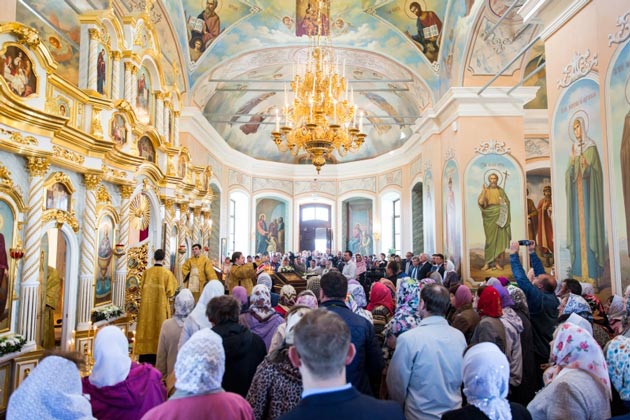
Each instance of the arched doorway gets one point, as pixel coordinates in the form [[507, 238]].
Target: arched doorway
[[315, 228]]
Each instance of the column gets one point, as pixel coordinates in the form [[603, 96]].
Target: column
[[29, 289], [169, 212], [134, 85], [181, 233], [159, 113], [93, 58], [88, 253], [116, 75], [167, 134], [197, 234], [128, 90], [120, 281], [176, 128]]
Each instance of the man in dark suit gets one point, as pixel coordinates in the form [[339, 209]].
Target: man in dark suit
[[368, 362], [425, 266], [322, 350], [414, 272], [407, 263], [438, 264]]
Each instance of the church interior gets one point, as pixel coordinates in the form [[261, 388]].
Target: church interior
[[377, 126]]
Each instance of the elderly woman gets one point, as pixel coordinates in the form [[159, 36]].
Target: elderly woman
[[486, 378], [357, 301], [51, 391], [240, 294], [169, 335], [197, 318], [119, 388], [525, 392], [577, 383], [406, 316], [261, 319], [199, 369], [465, 317], [575, 304], [490, 328], [277, 384], [382, 307], [618, 360], [264, 278], [288, 295], [307, 298]]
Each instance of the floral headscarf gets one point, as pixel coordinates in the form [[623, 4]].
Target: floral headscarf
[[200, 363], [519, 298], [358, 295], [425, 281], [288, 295], [574, 348], [407, 314], [380, 295], [578, 305], [486, 375], [489, 303], [307, 298], [463, 296], [618, 360], [260, 302]]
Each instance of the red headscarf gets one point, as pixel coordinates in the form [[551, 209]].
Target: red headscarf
[[380, 295], [489, 303]]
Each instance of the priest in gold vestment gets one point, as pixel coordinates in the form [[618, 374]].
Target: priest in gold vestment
[[158, 286], [197, 271], [241, 273]]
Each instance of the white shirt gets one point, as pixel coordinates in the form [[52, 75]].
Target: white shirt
[[349, 270]]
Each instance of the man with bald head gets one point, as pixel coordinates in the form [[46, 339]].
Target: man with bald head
[[541, 300]]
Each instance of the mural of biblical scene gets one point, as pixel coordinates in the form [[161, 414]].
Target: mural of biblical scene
[[580, 231], [495, 216], [536, 59], [357, 226], [144, 100], [417, 218], [312, 17], [58, 26], [105, 263], [146, 149], [203, 29], [429, 213], [118, 131], [618, 111], [52, 274], [58, 197], [17, 70], [539, 213], [452, 205], [182, 163], [7, 224], [102, 73], [271, 215]]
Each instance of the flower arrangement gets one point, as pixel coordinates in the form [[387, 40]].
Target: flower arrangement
[[286, 269], [11, 343], [105, 313]]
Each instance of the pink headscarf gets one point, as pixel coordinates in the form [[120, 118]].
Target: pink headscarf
[[463, 296]]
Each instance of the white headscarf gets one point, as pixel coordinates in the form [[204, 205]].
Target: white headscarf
[[486, 374], [213, 289], [200, 363], [580, 322], [111, 357], [184, 303], [449, 266], [264, 278], [52, 391], [292, 319]]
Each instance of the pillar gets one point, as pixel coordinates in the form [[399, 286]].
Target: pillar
[[116, 75], [93, 58], [120, 276]]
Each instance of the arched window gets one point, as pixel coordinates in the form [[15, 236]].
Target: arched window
[[315, 231]]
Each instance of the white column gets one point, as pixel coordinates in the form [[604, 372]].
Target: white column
[[197, 234], [93, 58], [88, 253], [116, 76], [29, 289], [176, 129], [159, 113], [166, 131], [169, 211], [120, 280], [134, 85], [128, 90]]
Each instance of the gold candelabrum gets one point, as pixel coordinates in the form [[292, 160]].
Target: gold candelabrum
[[322, 117]]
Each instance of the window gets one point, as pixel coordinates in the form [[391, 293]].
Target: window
[[232, 227], [396, 225], [315, 213]]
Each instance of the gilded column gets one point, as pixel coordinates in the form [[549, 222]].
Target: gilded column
[[169, 212], [93, 58], [29, 289], [197, 234], [88, 252], [134, 85], [116, 75], [120, 281], [176, 129], [159, 120], [181, 233], [128, 90]]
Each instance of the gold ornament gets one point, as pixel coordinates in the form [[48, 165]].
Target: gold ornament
[[140, 212]]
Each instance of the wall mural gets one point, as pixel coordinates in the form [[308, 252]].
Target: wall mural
[[540, 214], [104, 266], [17, 70], [103, 72], [271, 215], [452, 210], [118, 130], [618, 111], [428, 202], [580, 234], [7, 226], [144, 100], [494, 199], [146, 149], [312, 17], [537, 58], [356, 226]]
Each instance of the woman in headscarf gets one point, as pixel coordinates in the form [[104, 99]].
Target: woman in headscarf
[[382, 307], [169, 336], [616, 312], [240, 294], [244, 350], [361, 266], [307, 298], [199, 369], [486, 378], [390, 285], [119, 388], [406, 316], [525, 392], [277, 385], [357, 301], [490, 328], [465, 318], [577, 383], [574, 304], [618, 360], [197, 318], [288, 295], [450, 275], [261, 319], [265, 278], [52, 391]]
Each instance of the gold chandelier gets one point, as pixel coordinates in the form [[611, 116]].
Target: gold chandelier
[[322, 117]]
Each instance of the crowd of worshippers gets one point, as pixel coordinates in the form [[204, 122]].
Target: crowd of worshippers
[[416, 344]]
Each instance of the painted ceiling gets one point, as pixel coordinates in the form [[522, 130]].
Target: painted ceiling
[[233, 58]]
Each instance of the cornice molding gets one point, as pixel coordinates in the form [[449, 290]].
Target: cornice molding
[[551, 13]]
